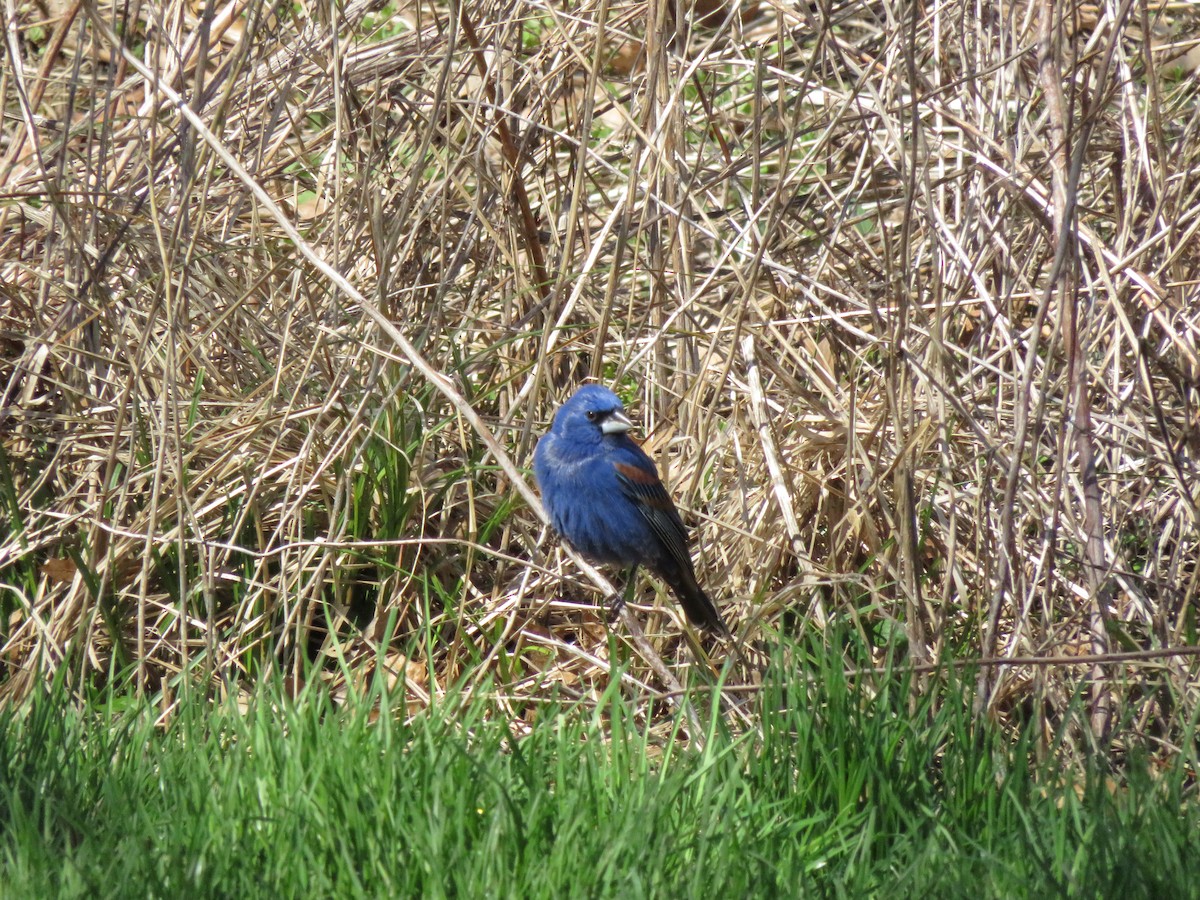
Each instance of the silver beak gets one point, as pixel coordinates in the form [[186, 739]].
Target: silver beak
[[616, 422]]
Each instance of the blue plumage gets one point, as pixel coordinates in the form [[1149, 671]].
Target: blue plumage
[[605, 498]]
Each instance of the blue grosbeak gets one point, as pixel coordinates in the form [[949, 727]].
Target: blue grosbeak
[[605, 498]]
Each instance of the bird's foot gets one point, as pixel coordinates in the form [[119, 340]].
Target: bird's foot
[[616, 603]]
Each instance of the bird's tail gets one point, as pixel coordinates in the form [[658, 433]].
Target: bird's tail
[[701, 611]]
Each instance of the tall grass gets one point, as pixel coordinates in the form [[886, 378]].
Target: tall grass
[[843, 789], [903, 296]]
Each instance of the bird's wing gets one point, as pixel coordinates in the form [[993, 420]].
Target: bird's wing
[[643, 487]]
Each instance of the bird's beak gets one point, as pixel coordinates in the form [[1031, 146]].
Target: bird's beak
[[616, 422]]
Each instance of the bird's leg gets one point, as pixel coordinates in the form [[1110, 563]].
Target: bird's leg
[[618, 601]]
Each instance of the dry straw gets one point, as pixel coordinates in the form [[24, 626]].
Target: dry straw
[[903, 295]]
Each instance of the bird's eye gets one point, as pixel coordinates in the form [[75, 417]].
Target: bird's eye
[[592, 415]]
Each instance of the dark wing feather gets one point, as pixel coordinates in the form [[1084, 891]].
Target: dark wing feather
[[654, 503], [641, 484]]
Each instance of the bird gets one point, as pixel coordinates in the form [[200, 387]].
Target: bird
[[605, 498]]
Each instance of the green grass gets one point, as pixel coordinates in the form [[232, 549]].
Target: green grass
[[845, 792]]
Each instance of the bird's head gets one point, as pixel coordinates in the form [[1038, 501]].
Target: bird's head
[[592, 413]]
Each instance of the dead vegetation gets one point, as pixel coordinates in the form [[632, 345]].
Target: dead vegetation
[[904, 297]]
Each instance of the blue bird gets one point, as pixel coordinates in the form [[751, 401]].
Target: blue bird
[[605, 498]]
